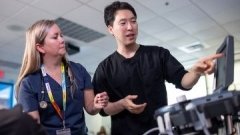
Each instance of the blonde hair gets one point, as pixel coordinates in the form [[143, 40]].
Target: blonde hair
[[32, 60]]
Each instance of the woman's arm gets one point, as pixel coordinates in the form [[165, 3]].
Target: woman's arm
[[35, 115]]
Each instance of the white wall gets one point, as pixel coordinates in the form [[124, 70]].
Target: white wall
[[236, 82], [95, 122], [199, 90]]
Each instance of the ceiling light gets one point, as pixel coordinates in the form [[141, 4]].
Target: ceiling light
[[15, 27], [192, 47]]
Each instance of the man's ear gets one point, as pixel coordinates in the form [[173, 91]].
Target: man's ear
[[40, 48], [110, 30]]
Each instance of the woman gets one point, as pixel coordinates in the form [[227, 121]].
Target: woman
[[52, 89]]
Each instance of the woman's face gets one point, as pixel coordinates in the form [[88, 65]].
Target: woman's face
[[54, 44]]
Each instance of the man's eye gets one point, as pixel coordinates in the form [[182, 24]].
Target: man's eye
[[122, 23]]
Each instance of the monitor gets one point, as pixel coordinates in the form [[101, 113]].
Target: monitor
[[6, 95], [224, 69]]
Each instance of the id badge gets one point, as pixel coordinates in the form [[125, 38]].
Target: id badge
[[65, 131]]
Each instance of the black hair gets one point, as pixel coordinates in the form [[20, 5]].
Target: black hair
[[110, 11]]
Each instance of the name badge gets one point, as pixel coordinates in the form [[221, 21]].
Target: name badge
[[65, 131]]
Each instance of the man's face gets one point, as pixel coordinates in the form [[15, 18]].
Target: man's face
[[124, 28]]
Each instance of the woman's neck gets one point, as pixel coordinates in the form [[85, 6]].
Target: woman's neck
[[52, 66], [52, 63], [54, 71]]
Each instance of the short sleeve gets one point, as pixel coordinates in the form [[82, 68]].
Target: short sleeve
[[87, 79], [99, 84], [98, 80], [174, 70], [81, 74], [27, 97]]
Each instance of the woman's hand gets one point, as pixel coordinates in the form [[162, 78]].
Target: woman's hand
[[101, 100]]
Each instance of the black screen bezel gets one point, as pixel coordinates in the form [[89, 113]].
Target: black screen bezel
[[224, 72]]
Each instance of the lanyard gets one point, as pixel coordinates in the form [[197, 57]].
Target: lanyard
[[50, 95]]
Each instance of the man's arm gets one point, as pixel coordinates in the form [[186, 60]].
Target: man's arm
[[126, 103], [203, 66]]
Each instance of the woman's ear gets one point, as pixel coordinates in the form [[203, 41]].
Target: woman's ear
[[40, 48]]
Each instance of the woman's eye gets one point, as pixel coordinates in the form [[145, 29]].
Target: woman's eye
[[61, 35]]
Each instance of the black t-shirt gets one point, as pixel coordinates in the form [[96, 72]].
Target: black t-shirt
[[144, 75]]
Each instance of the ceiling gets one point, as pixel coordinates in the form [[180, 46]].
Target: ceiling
[[173, 24]]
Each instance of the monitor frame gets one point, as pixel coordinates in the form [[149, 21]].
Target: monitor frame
[[224, 68]]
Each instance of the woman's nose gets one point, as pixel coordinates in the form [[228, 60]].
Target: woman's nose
[[61, 39]]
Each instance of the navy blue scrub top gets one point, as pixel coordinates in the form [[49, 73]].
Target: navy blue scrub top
[[30, 96]]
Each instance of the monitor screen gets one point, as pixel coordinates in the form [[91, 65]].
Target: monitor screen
[[225, 65], [6, 95]]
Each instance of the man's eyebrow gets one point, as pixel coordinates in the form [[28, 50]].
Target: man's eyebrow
[[124, 19]]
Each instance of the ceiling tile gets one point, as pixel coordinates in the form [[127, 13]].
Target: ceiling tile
[[197, 25], [14, 25], [26, 1], [183, 41], [205, 52], [184, 57], [233, 27], [212, 7], [160, 7], [184, 15], [10, 7], [214, 42], [227, 15], [5, 38], [51, 7], [99, 5], [212, 32], [83, 15], [2, 18], [143, 13], [30, 15], [148, 40], [106, 43], [146, 14], [175, 51], [155, 25], [83, 1], [170, 34]]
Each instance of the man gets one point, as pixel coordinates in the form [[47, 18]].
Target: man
[[134, 74]]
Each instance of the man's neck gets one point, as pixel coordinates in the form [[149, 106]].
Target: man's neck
[[128, 51]]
